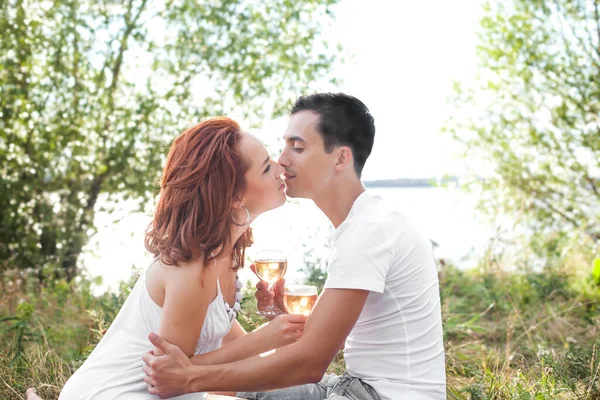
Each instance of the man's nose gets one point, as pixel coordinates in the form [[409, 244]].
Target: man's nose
[[283, 161], [279, 170]]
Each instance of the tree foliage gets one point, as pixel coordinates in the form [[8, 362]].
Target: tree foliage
[[530, 122], [92, 93]]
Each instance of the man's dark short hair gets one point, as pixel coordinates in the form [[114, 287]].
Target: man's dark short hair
[[343, 121]]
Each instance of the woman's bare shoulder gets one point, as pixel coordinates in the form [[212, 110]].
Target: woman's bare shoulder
[[190, 277]]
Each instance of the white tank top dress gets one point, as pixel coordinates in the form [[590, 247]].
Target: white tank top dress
[[114, 369]]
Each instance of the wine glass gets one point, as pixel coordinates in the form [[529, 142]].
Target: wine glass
[[300, 299], [271, 266]]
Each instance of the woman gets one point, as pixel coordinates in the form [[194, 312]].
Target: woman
[[216, 181]]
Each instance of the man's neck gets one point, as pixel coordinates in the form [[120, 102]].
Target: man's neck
[[337, 201]]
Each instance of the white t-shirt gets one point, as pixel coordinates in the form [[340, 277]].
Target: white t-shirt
[[396, 345]]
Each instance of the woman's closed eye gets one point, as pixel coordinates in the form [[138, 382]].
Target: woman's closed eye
[[267, 169]]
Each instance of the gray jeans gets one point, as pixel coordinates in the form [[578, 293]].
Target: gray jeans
[[331, 387]]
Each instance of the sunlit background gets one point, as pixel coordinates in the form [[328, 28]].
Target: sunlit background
[[400, 59], [492, 106]]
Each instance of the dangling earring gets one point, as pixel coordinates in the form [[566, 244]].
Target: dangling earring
[[246, 222]]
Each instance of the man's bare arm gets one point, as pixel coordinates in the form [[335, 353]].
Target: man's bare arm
[[305, 361]]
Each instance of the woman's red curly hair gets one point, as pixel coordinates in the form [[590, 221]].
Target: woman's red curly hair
[[203, 176]]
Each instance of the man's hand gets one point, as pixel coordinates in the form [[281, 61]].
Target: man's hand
[[166, 375], [266, 297]]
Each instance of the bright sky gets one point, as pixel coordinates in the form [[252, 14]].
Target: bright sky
[[406, 56]]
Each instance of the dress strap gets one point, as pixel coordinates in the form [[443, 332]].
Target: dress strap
[[215, 265], [219, 287]]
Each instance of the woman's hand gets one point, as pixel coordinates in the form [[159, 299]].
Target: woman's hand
[[283, 330]]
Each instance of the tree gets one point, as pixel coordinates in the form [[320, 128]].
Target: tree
[[93, 92], [531, 120]]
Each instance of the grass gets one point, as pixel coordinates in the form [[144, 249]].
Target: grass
[[508, 335], [521, 336]]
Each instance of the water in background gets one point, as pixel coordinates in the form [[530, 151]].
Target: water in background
[[299, 228]]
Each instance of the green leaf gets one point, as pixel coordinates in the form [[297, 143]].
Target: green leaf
[[596, 270]]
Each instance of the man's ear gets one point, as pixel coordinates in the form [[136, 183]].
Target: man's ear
[[344, 158]]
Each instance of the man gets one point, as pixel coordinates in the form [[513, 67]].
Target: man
[[381, 296]]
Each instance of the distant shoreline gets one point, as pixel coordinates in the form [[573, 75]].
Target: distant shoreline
[[408, 182]]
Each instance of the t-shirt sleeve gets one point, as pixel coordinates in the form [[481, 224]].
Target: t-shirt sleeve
[[358, 259]]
